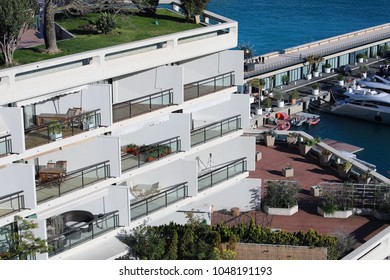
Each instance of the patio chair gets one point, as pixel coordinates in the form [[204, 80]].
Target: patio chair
[[74, 121]]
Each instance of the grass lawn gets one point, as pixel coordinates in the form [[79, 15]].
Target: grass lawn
[[129, 28]]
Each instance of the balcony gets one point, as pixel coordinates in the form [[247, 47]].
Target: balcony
[[61, 127], [11, 203], [221, 174], [138, 156], [163, 199], [5, 145], [69, 234], [215, 130], [208, 86], [68, 182], [135, 107]]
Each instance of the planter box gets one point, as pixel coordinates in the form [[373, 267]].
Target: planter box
[[288, 172], [341, 172], [55, 136], [327, 70], [316, 92], [281, 211], [316, 191], [304, 149], [308, 77], [316, 74], [336, 214], [259, 156], [280, 103], [291, 141], [269, 141], [341, 83], [325, 159]]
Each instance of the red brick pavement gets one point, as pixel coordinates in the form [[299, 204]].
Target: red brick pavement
[[308, 173]]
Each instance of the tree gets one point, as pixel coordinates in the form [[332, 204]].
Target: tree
[[105, 23], [23, 243], [147, 7], [16, 16], [259, 84], [193, 7]]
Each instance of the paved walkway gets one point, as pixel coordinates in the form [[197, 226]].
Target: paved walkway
[[31, 38]]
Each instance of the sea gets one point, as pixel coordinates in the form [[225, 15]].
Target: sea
[[269, 26]]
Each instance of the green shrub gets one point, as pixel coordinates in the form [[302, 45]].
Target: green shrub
[[105, 23]]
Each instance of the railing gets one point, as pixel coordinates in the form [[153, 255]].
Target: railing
[[146, 154], [222, 174], [72, 181], [153, 203], [215, 130], [208, 86], [43, 134], [10, 203], [329, 51], [81, 232], [5, 145], [135, 107]]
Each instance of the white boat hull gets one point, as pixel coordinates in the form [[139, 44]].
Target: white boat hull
[[363, 113]]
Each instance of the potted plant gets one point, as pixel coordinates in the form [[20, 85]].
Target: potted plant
[[292, 139], [340, 78], [279, 98], [285, 79], [365, 177], [327, 68], [317, 62], [131, 148], [268, 104], [310, 59], [269, 138], [288, 171], [294, 95], [55, 130], [325, 157], [316, 88], [336, 202], [363, 70], [271, 84], [307, 144], [259, 84], [360, 57], [281, 198], [344, 169]]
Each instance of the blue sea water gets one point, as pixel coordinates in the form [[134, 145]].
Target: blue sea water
[[275, 25]]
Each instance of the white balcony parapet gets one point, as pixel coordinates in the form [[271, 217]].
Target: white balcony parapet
[[70, 71]]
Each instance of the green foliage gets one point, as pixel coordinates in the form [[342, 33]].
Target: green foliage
[[23, 243], [15, 18], [312, 141], [193, 7], [105, 23], [55, 127], [294, 94], [147, 7], [281, 194], [270, 133], [315, 86], [337, 199], [268, 102], [278, 95]]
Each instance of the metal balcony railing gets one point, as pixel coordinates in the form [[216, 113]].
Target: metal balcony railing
[[10, 203], [221, 174], [5, 145], [208, 86], [135, 107], [163, 199], [148, 153], [215, 130], [43, 134], [81, 232], [72, 181]]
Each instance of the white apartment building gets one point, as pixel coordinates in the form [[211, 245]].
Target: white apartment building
[[65, 124]]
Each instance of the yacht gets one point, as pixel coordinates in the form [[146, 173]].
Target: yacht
[[375, 82], [364, 103]]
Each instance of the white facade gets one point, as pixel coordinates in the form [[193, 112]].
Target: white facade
[[178, 90]]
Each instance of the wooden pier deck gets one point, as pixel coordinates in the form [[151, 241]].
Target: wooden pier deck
[[341, 146]]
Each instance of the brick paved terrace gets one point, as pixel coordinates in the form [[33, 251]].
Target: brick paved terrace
[[307, 172]]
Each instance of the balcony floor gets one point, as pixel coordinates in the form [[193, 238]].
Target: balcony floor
[[39, 137]]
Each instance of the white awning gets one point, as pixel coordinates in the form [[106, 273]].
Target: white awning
[[45, 97]]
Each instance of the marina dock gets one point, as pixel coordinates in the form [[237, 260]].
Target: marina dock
[[341, 146]]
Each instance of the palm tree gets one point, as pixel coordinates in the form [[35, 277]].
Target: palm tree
[[259, 84]]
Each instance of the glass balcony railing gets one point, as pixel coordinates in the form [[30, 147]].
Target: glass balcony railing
[[208, 86], [142, 105], [148, 153], [80, 232], [5, 145], [61, 127], [163, 199], [222, 174], [215, 130], [72, 181], [10, 203]]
